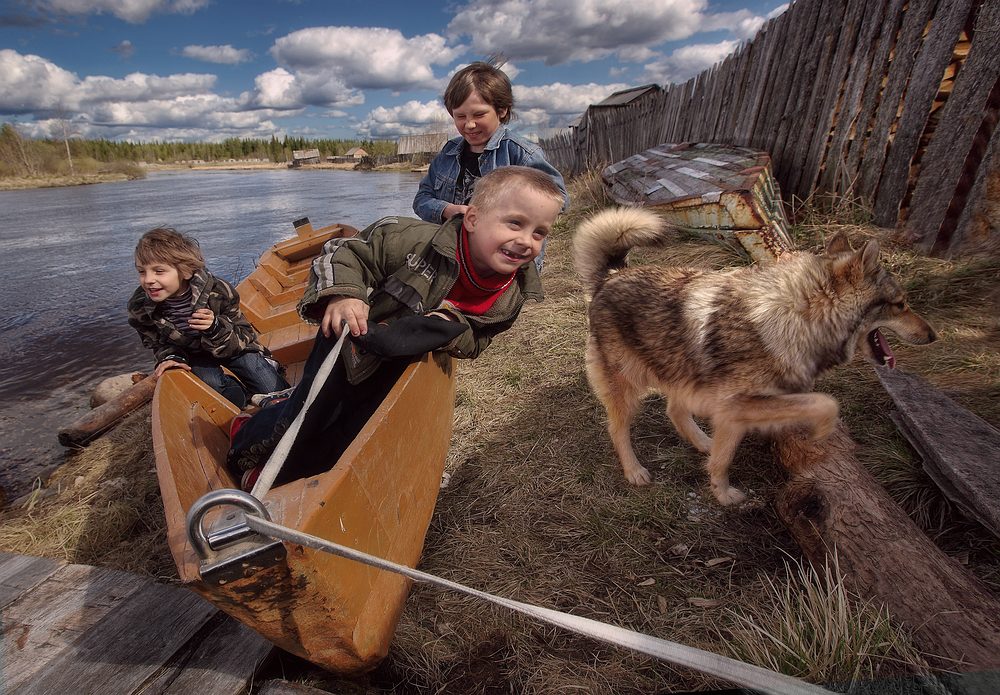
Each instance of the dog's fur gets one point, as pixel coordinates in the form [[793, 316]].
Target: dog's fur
[[740, 347]]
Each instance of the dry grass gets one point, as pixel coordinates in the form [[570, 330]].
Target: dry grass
[[537, 508], [810, 626], [105, 509]]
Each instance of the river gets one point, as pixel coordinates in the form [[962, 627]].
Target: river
[[67, 272]]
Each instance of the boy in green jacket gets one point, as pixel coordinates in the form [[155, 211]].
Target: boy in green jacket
[[403, 287]]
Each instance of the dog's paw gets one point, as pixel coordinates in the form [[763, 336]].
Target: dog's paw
[[728, 496], [638, 476]]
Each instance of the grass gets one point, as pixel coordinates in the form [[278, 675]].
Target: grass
[[537, 508]]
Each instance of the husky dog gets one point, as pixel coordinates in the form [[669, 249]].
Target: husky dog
[[740, 347]]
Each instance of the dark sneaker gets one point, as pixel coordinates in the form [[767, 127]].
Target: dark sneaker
[[263, 400]]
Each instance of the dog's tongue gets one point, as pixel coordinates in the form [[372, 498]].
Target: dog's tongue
[[889, 359]]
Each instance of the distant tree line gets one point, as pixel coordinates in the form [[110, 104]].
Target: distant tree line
[[21, 156]]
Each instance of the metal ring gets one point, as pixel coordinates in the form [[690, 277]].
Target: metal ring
[[196, 514]]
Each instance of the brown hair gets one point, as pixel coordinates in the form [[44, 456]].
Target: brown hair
[[489, 81], [499, 181], [167, 245]]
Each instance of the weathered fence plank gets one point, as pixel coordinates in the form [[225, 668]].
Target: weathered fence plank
[[836, 175], [935, 55], [950, 156], [888, 29]]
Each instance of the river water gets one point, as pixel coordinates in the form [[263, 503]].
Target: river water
[[66, 273]]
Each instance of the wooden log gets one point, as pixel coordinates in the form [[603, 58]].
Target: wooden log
[[833, 503], [104, 417]]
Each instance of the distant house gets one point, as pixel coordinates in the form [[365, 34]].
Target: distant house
[[356, 153], [300, 157], [429, 143], [631, 95]]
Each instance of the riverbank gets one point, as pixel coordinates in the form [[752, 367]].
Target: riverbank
[[16, 183]]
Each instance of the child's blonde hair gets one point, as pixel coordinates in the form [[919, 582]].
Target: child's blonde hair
[[498, 182], [167, 245], [489, 81]]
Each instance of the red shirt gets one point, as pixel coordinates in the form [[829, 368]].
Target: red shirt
[[472, 294]]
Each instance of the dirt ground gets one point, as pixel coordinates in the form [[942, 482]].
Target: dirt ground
[[537, 509]]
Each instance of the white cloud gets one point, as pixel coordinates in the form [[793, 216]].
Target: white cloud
[[133, 11], [688, 61], [743, 24], [560, 99], [557, 31], [30, 83], [411, 118], [363, 57], [138, 87], [125, 49], [226, 55]]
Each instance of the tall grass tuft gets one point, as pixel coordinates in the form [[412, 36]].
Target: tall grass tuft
[[812, 627]]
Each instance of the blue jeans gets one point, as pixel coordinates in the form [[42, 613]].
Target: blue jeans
[[332, 422], [251, 368]]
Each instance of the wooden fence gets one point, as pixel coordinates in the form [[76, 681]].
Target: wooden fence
[[894, 101]]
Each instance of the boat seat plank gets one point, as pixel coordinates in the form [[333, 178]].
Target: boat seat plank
[[291, 343], [19, 573], [51, 617], [129, 646], [287, 274]]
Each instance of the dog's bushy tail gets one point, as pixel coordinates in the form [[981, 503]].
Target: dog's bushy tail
[[602, 241]]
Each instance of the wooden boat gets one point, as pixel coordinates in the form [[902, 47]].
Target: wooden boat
[[724, 193], [378, 498]]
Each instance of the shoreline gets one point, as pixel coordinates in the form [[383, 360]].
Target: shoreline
[[19, 183]]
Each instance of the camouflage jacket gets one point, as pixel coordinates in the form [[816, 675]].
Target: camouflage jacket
[[231, 334], [401, 266]]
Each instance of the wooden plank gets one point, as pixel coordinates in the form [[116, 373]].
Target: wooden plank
[[222, 661], [812, 49], [127, 647], [976, 220], [880, 66], [19, 573], [774, 44], [823, 109], [952, 148], [56, 613], [836, 175], [934, 57], [960, 446], [905, 52]]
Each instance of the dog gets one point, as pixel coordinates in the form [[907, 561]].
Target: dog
[[740, 347]]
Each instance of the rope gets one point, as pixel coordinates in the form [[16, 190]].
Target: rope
[[723, 667], [277, 458]]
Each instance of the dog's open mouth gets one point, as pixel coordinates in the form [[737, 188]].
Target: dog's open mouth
[[881, 350]]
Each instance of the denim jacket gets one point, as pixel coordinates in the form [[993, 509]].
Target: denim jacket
[[437, 188]]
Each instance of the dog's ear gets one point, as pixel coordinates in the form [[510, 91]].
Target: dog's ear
[[869, 257], [837, 244]]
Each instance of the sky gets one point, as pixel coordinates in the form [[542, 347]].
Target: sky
[[206, 70]]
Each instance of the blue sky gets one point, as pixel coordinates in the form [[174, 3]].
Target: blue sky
[[212, 69]]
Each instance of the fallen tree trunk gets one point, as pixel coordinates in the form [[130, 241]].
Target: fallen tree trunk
[[836, 503], [105, 416]]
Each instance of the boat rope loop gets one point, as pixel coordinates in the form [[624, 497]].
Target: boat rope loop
[[722, 667], [277, 458]]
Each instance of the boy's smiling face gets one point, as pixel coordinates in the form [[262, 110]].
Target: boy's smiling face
[[161, 280], [476, 121], [509, 234]]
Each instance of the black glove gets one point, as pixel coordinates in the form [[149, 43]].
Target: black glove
[[409, 336]]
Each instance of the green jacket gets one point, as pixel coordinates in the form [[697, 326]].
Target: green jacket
[[400, 266], [231, 334]]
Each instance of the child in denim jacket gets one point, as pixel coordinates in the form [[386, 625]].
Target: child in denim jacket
[[480, 100]]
